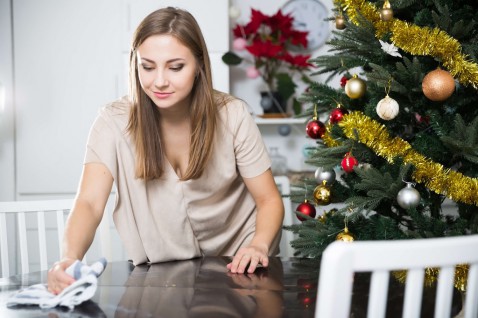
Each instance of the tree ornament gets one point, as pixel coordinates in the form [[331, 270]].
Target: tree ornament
[[305, 208], [438, 85], [322, 218], [322, 194], [386, 14], [387, 108], [340, 22], [355, 87], [322, 174], [408, 197], [337, 114], [349, 162], [315, 129], [345, 236], [343, 81]]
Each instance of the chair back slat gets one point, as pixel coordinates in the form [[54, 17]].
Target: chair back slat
[[377, 302], [444, 294], [60, 225], [22, 238], [42, 240], [471, 300], [4, 246], [413, 293]]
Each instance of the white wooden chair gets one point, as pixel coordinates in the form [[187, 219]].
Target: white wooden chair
[[21, 236], [19, 210], [341, 259], [283, 184]]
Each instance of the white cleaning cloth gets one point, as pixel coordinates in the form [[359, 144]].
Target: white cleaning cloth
[[81, 290]]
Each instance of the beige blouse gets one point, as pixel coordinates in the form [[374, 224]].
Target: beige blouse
[[168, 219]]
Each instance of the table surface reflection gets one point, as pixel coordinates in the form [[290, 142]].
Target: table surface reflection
[[203, 287]]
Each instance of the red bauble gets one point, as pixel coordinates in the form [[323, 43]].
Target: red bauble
[[349, 162], [307, 209], [337, 114], [343, 81], [315, 129]]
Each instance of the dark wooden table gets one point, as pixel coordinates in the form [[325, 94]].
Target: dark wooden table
[[204, 288]]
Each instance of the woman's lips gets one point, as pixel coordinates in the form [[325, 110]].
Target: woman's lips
[[161, 95]]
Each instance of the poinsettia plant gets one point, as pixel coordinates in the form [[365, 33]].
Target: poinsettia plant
[[269, 42]]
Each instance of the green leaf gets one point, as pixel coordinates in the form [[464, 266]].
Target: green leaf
[[285, 85], [231, 58], [296, 106]]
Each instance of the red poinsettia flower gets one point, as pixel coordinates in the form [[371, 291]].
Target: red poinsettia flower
[[300, 61], [270, 41], [280, 22], [251, 28], [264, 49]]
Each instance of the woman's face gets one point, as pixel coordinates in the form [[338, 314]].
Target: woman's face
[[167, 70]]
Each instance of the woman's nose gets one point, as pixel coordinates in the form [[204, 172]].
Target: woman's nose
[[161, 80]]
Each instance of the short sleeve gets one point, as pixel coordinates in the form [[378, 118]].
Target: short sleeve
[[101, 145], [252, 158]]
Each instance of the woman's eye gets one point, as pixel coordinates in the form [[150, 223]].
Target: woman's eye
[[176, 68], [146, 68]]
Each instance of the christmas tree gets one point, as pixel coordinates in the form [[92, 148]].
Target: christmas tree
[[399, 137]]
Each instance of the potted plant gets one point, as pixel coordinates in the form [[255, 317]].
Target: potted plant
[[267, 43]]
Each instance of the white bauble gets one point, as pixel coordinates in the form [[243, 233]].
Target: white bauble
[[408, 197], [387, 108]]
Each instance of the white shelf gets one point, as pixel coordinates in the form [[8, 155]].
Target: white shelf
[[280, 121]]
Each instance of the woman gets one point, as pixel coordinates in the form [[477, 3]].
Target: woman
[[191, 171]]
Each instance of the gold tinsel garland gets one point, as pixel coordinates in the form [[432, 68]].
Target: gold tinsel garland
[[431, 276], [417, 40], [435, 176]]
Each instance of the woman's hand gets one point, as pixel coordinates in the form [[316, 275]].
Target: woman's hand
[[249, 257], [58, 279]]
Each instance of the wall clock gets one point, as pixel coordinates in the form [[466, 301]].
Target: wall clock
[[309, 15]]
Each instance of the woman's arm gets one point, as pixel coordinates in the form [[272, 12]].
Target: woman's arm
[[85, 216], [270, 215]]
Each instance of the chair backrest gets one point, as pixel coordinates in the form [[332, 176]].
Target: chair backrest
[[341, 260], [16, 215]]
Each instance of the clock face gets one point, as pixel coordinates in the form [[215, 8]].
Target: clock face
[[309, 15]]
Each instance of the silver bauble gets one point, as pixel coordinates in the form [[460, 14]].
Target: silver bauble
[[387, 108], [322, 174], [408, 197]]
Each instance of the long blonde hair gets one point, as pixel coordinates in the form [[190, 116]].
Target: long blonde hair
[[143, 122]]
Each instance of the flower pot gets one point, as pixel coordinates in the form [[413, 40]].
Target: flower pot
[[273, 103]]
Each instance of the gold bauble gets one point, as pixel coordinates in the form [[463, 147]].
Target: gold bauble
[[345, 236], [386, 14], [387, 108], [355, 87], [339, 22], [322, 194], [438, 85]]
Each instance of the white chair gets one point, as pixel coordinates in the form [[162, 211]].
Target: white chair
[[16, 214], [341, 259], [18, 228], [283, 184]]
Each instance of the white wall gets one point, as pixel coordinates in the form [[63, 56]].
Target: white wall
[[7, 150]]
